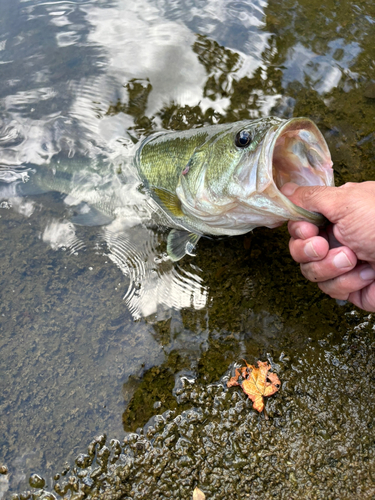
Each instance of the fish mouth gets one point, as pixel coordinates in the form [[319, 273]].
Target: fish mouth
[[297, 152], [300, 154]]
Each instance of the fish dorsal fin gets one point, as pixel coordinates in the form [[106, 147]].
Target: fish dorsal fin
[[180, 243], [168, 200]]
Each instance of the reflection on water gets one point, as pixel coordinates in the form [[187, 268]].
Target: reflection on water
[[156, 285], [322, 71], [90, 304]]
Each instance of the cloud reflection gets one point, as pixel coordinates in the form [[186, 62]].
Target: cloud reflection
[[62, 235], [141, 44], [323, 71]]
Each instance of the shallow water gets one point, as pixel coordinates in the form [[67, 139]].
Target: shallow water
[[99, 330]]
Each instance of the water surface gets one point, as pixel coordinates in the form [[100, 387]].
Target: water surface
[[98, 328]]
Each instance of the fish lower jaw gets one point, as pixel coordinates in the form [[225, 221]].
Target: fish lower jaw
[[235, 223]]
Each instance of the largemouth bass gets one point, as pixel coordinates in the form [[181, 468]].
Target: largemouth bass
[[216, 180], [226, 179]]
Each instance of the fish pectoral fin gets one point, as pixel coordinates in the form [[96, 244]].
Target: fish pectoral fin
[[180, 243], [168, 200]]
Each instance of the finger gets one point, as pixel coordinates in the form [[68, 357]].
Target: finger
[[365, 298], [323, 199], [312, 249], [337, 262], [342, 286], [302, 229]]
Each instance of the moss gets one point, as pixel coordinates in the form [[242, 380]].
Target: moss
[[153, 394]]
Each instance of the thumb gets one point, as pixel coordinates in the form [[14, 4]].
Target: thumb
[[322, 199]]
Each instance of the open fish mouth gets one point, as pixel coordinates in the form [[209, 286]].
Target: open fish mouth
[[295, 151], [300, 154]]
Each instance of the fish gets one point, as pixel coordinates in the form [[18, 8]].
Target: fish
[[217, 180], [225, 179]]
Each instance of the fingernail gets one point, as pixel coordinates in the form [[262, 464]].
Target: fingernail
[[300, 234], [341, 260], [310, 250], [367, 274], [289, 188]]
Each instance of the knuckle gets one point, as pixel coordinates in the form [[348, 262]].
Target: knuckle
[[348, 185], [311, 192], [331, 288]]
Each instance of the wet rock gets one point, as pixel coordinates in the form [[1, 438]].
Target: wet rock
[[370, 91], [36, 481], [83, 461]]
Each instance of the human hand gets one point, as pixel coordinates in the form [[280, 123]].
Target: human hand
[[341, 257]]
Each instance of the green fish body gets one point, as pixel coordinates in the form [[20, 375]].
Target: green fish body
[[226, 179]]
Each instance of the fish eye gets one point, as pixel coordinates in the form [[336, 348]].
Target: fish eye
[[243, 139]]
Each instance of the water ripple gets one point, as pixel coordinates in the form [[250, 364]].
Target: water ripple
[[156, 285]]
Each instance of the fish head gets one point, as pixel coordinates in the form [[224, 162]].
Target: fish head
[[232, 182]]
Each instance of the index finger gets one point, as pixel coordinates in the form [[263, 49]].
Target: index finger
[[302, 230]]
